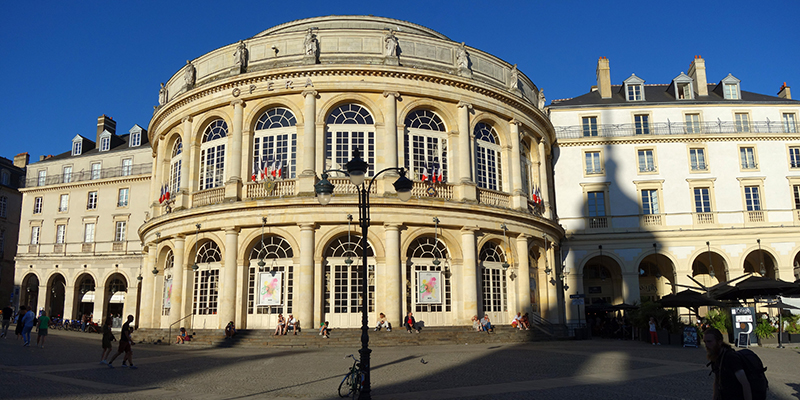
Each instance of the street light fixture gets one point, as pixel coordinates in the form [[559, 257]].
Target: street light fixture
[[710, 267], [356, 170], [436, 261], [547, 269], [261, 262], [762, 271], [196, 267]]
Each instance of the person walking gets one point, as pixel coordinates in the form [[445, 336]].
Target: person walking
[[8, 312], [653, 332], [125, 343], [44, 324], [108, 337], [27, 326], [730, 380], [20, 314]]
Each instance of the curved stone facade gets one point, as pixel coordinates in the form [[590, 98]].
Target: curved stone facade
[[232, 245]]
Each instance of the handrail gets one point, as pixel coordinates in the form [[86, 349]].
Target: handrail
[[543, 322], [169, 332]]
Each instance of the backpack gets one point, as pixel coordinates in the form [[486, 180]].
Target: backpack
[[754, 369]]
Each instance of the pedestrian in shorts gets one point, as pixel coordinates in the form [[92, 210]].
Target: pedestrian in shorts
[[108, 337], [44, 323]]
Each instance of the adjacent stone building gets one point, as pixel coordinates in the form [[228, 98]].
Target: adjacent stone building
[[12, 177], [658, 183], [79, 252]]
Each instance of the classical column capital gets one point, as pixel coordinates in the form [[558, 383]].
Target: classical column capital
[[514, 121], [180, 238], [388, 93], [470, 229], [187, 118], [307, 226], [523, 237], [311, 92], [232, 229], [237, 102], [392, 226], [464, 104]]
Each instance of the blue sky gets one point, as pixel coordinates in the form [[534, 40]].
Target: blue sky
[[66, 63]]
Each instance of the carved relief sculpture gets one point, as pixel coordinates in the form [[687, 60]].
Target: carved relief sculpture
[[310, 43], [390, 44], [162, 95], [462, 58], [240, 57], [189, 75], [542, 100]]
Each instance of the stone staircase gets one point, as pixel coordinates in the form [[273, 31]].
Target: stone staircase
[[352, 337]]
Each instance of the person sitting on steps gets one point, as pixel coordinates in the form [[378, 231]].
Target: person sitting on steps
[[280, 328], [292, 324], [183, 337], [476, 324], [487, 326], [230, 330], [410, 323], [383, 323], [324, 331]]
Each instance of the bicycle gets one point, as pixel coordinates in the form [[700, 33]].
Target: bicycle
[[351, 384]]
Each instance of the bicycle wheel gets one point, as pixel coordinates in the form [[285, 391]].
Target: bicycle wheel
[[357, 382], [346, 387]]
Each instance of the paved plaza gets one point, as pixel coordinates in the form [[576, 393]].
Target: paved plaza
[[67, 368]]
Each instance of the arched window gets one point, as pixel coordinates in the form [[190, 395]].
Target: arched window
[[426, 146], [428, 281], [271, 286], [275, 145], [493, 278], [175, 166], [349, 127], [344, 278], [487, 157], [166, 302], [206, 279], [212, 155]]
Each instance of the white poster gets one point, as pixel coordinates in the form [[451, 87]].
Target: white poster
[[167, 293], [269, 288], [429, 287]]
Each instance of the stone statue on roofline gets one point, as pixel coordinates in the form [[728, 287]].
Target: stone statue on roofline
[[390, 42], [513, 84], [162, 95], [311, 46], [189, 75], [542, 100], [240, 57], [462, 61]]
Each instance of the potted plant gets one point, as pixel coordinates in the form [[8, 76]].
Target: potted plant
[[765, 331], [791, 327]]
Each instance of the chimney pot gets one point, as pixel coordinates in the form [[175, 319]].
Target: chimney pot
[[697, 71], [21, 160], [604, 78], [785, 92]]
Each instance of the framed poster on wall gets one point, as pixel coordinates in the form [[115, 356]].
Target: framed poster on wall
[[269, 291], [167, 293], [429, 289]]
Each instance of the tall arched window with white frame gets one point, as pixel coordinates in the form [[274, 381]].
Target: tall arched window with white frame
[[275, 144], [487, 157], [343, 281], [270, 289], [428, 290], [493, 281], [175, 166], [212, 155], [426, 146], [349, 127]]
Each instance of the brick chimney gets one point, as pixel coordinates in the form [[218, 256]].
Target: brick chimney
[[604, 78], [105, 123], [21, 160], [785, 92], [697, 71]]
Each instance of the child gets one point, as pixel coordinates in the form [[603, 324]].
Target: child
[[183, 337]]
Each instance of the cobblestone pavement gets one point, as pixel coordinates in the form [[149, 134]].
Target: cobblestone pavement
[[68, 368]]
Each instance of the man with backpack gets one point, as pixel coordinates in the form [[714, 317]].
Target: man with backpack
[[737, 375]]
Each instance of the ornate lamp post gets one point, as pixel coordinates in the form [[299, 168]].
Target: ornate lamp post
[[356, 170]]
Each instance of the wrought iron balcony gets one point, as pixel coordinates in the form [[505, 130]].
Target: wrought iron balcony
[[56, 179], [673, 128]]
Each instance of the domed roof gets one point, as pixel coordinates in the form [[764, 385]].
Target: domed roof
[[367, 22]]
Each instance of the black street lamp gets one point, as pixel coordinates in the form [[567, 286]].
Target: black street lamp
[[356, 170]]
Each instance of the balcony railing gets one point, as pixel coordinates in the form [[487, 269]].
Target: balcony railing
[[705, 218], [208, 197], [257, 190], [598, 222], [493, 198], [674, 128], [438, 191], [81, 176], [755, 216], [651, 220], [87, 247]]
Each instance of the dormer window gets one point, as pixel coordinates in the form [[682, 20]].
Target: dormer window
[[730, 88], [634, 88], [77, 146], [682, 84], [105, 141], [135, 138]]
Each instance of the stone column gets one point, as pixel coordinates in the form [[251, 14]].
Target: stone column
[[523, 275], [146, 312], [69, 302], [227, 309], [233, 186], [43, 301], [158, 175], [390, 145], [519, 199], [182, 197], [544, 182], [464, 156], [307, 177], [630, 287], [99, 310], [470, 272], [392, 290], [304, 295], [129, 307], [178, 267]]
